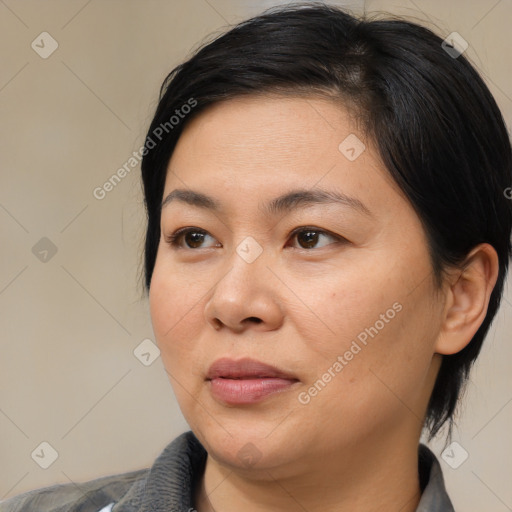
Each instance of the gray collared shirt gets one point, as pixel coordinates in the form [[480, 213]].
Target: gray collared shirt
[[169, 486]]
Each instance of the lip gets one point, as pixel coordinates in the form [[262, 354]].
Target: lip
[[246, 381], [245, 368]]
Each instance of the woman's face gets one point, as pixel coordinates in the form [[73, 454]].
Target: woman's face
[[345, 307]]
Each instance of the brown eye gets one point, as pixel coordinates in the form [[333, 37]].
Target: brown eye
[[308, 238], [192, 237]]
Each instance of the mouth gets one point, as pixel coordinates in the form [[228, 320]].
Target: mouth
[[246, 381]]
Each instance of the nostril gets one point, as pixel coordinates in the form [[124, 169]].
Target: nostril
[[255, 319]]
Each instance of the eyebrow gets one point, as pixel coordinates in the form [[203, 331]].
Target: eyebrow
[[291, 200]]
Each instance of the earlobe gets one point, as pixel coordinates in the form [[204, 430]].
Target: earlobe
[[467, 299]]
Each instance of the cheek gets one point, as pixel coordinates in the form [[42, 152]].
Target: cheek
[[385, 365], [339, 304], [381, 324], [175, 315], [175, 309]]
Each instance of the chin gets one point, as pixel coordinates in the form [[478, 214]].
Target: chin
[[243, 446]]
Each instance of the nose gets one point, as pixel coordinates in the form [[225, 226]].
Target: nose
[[245, 297]]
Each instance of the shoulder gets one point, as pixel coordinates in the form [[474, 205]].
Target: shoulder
[[91, 496], [166, 485]]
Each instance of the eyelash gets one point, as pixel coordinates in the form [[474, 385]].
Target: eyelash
[[174, 239]]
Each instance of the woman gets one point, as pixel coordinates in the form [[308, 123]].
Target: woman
[[328, 237]]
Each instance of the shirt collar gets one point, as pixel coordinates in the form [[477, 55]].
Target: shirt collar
[[172, 480], [434, 497]]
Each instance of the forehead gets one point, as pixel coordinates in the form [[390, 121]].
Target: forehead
[[259, 145], [268, 127]]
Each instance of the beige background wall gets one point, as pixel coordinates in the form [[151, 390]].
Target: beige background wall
[[69, 325]]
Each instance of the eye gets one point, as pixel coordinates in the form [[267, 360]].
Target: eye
[[307, 237], [193, 238]]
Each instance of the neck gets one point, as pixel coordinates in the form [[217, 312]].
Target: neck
[[374, 477]]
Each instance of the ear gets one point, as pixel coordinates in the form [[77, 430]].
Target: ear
[[467, 299]]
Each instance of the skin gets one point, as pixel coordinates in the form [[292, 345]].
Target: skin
[[299, 305]]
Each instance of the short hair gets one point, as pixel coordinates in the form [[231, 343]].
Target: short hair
[[436, 126]]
